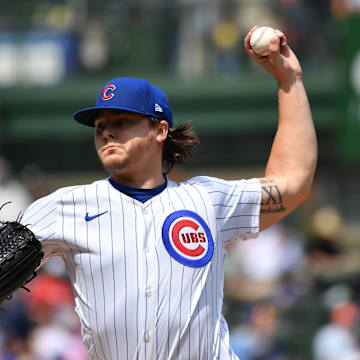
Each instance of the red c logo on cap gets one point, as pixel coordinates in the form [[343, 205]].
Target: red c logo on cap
[[105, 95]]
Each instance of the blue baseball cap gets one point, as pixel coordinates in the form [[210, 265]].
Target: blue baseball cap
[[129, 94]]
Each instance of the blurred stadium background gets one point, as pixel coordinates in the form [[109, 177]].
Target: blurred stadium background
[[291, 294]]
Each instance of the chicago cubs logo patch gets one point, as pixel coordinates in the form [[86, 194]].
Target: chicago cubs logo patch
[[107, 92], [187, 238]]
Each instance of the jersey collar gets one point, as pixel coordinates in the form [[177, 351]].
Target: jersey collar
[[141, 195]]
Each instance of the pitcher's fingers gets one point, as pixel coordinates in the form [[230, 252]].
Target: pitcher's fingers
[[282, 37], [247, 38], [247, 42], [274, 51]]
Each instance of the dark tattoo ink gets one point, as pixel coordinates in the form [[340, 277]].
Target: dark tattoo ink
[[269, 210], [272, 199], [278, 191], [268, 191]]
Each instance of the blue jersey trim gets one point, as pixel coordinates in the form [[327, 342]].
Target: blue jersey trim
[[141, 195]]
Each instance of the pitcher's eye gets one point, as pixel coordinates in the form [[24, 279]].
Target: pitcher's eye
[[99, 129], [122, 122]]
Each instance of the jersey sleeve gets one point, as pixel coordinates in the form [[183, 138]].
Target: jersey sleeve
[[41, 218], [236, 206]]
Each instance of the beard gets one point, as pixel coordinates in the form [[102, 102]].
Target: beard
[[114, 163]]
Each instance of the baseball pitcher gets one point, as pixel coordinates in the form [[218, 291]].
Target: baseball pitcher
[[145, 255]]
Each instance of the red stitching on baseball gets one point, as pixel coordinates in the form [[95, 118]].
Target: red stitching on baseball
[[260, 37]]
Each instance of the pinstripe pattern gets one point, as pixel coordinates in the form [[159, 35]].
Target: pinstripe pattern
[[134, 300]]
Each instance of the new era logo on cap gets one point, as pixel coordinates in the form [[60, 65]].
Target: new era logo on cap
[[158, 108], [128, 94]]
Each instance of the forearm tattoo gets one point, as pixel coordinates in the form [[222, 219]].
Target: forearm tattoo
[[271, 197]]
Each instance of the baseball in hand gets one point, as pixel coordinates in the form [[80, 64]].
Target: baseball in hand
[[260, 40]]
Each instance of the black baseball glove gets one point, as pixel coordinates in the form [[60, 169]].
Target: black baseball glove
[[20, 255]]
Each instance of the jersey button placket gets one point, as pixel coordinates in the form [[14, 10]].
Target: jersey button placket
[[148, 291], [147, 336]]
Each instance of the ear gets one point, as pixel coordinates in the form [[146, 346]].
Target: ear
[[162, 130]]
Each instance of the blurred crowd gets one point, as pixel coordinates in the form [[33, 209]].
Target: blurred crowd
[[45, 42], [42, 326], [292, 296]]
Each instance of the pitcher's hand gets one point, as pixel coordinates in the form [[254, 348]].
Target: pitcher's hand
[[281, 61]]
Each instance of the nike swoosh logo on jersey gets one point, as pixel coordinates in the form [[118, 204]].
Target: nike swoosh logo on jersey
[[89, 218]]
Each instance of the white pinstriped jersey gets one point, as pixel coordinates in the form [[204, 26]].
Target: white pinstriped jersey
[[148, 277]]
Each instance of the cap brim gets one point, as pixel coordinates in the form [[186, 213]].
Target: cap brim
[[87, 116]]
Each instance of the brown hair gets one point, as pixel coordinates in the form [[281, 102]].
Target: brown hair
[[179, 144]]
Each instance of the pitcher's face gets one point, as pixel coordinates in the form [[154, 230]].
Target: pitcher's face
[[126, 141]]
